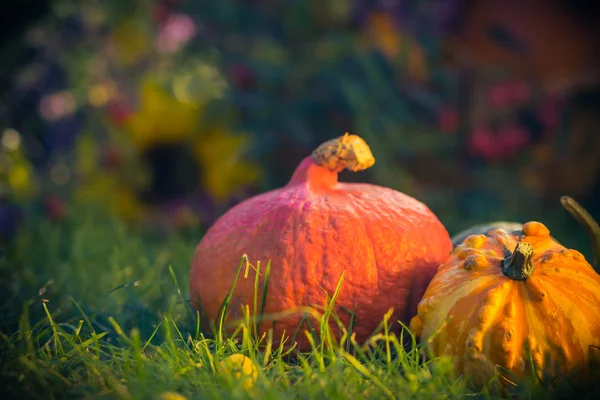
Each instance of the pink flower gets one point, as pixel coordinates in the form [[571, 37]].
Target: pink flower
[[483, 143], [58, 105], [175, 33]]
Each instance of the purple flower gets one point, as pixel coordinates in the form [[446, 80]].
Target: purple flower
[[9, 219]]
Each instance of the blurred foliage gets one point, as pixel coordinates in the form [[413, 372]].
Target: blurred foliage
[[168, 112]]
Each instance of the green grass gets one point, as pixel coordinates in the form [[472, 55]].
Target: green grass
[[92, 309]]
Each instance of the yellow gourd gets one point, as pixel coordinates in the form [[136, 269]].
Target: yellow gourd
[[509, 301]]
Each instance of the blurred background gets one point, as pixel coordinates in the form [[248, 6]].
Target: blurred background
[[164, 113]]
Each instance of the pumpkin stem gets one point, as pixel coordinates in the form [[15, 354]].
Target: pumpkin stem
[[587, 221], [349, 152], [518, 265]]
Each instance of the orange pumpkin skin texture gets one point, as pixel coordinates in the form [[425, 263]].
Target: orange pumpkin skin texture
[[483, 318], [315, 228]]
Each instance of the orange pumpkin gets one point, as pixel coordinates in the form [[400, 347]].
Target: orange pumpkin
[[503, 296], [313, 230]]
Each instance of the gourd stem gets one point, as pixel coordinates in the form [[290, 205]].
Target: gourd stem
[[588, 222], [349, 152], [518, 265]]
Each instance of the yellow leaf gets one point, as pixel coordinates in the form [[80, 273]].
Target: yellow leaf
[[161, 118], [223, 168]]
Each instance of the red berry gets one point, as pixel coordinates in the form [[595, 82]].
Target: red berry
[[54, 208], [112, 157], [118, 112]]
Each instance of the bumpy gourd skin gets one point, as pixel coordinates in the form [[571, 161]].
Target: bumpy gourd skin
[[313, 229], [483, 318]]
